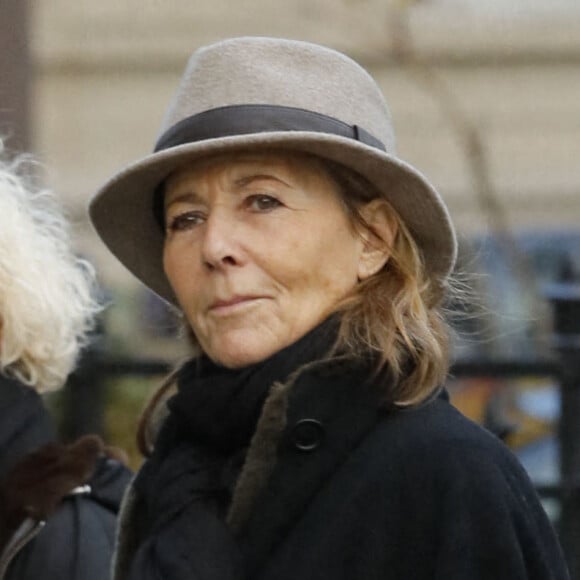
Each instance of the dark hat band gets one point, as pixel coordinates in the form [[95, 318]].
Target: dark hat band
[[247, 119]]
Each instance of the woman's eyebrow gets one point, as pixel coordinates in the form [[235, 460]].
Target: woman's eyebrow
[[247, 180], [189, 196]]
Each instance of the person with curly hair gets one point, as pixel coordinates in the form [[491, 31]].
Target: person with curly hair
[[58, 502]]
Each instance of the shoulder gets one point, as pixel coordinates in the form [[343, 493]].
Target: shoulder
[[79, 536], [25, 424], [438, 426], [467, 488], [440, 463], [14, 395], [436, 442]]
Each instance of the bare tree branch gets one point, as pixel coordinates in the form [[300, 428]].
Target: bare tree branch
[[472, 143]]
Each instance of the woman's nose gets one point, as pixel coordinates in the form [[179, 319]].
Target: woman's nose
[[220, 247]]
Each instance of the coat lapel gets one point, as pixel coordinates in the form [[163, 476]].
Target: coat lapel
[[307, 429]]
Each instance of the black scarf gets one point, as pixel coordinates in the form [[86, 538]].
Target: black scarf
[[187, 483], [218, 408]]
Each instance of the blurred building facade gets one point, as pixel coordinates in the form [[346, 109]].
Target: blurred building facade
[[103, 73]]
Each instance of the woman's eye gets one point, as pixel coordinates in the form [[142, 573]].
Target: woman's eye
[[262, 202], [185, 221]]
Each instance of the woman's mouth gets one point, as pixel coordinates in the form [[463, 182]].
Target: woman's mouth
[[233, 304]]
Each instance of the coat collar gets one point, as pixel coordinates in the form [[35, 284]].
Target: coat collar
[[307, 429]]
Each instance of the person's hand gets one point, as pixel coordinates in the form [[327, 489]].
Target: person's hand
[[38, 483]]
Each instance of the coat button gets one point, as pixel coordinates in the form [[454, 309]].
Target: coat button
[[307, 434]]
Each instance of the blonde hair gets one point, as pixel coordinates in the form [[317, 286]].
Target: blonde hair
[[397, 314], [47, 302]]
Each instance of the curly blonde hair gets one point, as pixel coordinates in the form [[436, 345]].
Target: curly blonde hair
[[47, 299]]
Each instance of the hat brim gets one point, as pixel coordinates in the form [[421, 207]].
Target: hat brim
[[122, 210]]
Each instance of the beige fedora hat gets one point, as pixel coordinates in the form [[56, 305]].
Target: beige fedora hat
[[270, 93]]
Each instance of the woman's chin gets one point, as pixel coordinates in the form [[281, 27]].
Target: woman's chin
[[237, 360], [239, 353], [248, 344]]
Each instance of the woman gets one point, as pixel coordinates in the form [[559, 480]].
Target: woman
[[58, 502], [309, 436]]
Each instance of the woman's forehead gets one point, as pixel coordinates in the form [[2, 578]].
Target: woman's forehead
[[245, 163]]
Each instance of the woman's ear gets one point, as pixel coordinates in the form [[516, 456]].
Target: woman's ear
[[378, 238]]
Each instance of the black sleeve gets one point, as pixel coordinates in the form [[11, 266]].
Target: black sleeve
[[77, 542]]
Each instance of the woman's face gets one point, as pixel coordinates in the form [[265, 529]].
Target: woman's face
[[258, 250]]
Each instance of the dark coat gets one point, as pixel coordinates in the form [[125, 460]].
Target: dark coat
[[25, 424], [69, 534], [337, 486]]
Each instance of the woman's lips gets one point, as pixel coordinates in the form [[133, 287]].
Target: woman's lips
[[232, 304]]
